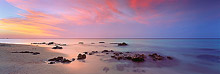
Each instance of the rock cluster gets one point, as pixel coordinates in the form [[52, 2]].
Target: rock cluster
[[34, 53], [58, 60]]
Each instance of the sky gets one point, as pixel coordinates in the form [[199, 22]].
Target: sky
[[109, 19]]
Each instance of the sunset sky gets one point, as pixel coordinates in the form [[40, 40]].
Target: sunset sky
[[109, 18]]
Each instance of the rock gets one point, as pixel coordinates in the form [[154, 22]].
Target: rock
[[101, 42], [91, 53], [81, 57], [35, 53], [156, 57], [57, 47], [66, 61], [138, 58], [59, 59], [81, 43], [92, 43], [50, 43], [73, 59], [122, 44], [170, 58], [105, 51], [85, 52], [52, 62]]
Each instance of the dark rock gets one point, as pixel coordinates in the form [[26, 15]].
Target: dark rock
[[57, 47], [52, 62], [105, 51], [101, 42], [92, 43], [59, 59], [66, 61], [50, 43], [138, 58], [91, 53], [81, 43], [80, 57], [85, 52], [170, 58], [122, 44], [73, 59], [35, 53], [156, 57]]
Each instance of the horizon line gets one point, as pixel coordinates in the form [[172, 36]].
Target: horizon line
[[109, 38]]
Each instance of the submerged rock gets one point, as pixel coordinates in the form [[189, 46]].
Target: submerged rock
[[57, 47], [81, 57], [156, 57], [170, 58]]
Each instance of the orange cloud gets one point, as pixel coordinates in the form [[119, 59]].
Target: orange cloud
[[32, 23]]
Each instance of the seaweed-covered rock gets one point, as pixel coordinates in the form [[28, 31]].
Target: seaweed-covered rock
[[81, 43]]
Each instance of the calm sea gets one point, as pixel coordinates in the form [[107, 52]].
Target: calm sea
[[193, 56]]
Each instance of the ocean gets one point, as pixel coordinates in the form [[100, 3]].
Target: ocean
[[191, 56]]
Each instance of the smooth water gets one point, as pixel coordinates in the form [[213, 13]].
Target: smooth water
[[192, 56]]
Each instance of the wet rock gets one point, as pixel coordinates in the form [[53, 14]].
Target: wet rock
[[105, 51], [170, 58], [85, 52], [35, 53], [52, 62], [138, 58], [66, 61], [106, 69], [39, 43], [59, 59], [122, 44], [57, 47], [156, 57], [81, 57], [101, 42], [50, 43], [73, 59], [81, 43]]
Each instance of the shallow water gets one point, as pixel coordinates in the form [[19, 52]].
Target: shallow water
[[191, 56]]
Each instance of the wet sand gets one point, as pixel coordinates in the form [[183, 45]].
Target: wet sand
[[26, 63]]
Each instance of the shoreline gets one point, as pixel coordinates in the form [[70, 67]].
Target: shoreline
[[26, 63]]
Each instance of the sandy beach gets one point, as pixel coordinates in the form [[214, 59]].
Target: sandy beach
[[25, 63]]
